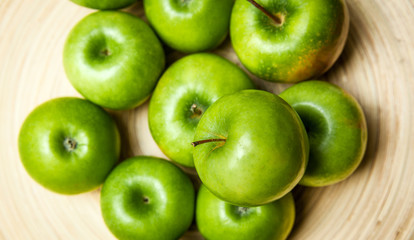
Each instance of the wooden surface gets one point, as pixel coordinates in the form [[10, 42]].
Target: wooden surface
[[376, 67]]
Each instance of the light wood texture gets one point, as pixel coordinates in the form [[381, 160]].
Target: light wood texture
[[376, 67]]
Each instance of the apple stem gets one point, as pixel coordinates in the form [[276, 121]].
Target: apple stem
[[267, 13], [196, 143], [70, 144]]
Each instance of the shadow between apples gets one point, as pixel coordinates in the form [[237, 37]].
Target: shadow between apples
[[121, 120], [137, 9]]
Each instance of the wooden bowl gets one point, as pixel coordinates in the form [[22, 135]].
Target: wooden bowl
[[376, 202]]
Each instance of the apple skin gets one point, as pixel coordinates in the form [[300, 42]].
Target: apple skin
[[49, 160], [104, 4], [265, 150], [147, 198], [113, 59], [217, 219], [198, 79], [306, 45], [336, 127], [190, 26]]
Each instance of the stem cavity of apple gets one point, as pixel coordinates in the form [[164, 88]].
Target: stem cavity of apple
[[196, 111], [277, 18], [70, 144], [196, 143], [145, 200]]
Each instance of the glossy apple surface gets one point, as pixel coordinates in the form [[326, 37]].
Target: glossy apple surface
[[113, 59], [69, 145], [260, 150], [336, 127], [147, 198], [190, 25], [104, 4], [309, 39], [217, 219], [183, 94]]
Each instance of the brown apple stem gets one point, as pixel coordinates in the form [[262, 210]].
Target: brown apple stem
[[271, 16], [207, 141]]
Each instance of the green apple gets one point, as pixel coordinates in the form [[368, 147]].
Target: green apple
[[104, 4], [190, 25], [217, 219], [182, 95], [336, 128], [251, 148], [147, 198], [289, 40], [113, 59], [69, 145]]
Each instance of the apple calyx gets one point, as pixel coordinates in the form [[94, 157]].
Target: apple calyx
[[196, 111], [277, 18], [243, 210], [106, 52], [196, 143], [145, 200], [70, 144]]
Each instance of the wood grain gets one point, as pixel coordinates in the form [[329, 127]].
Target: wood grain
[[376, 67]]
